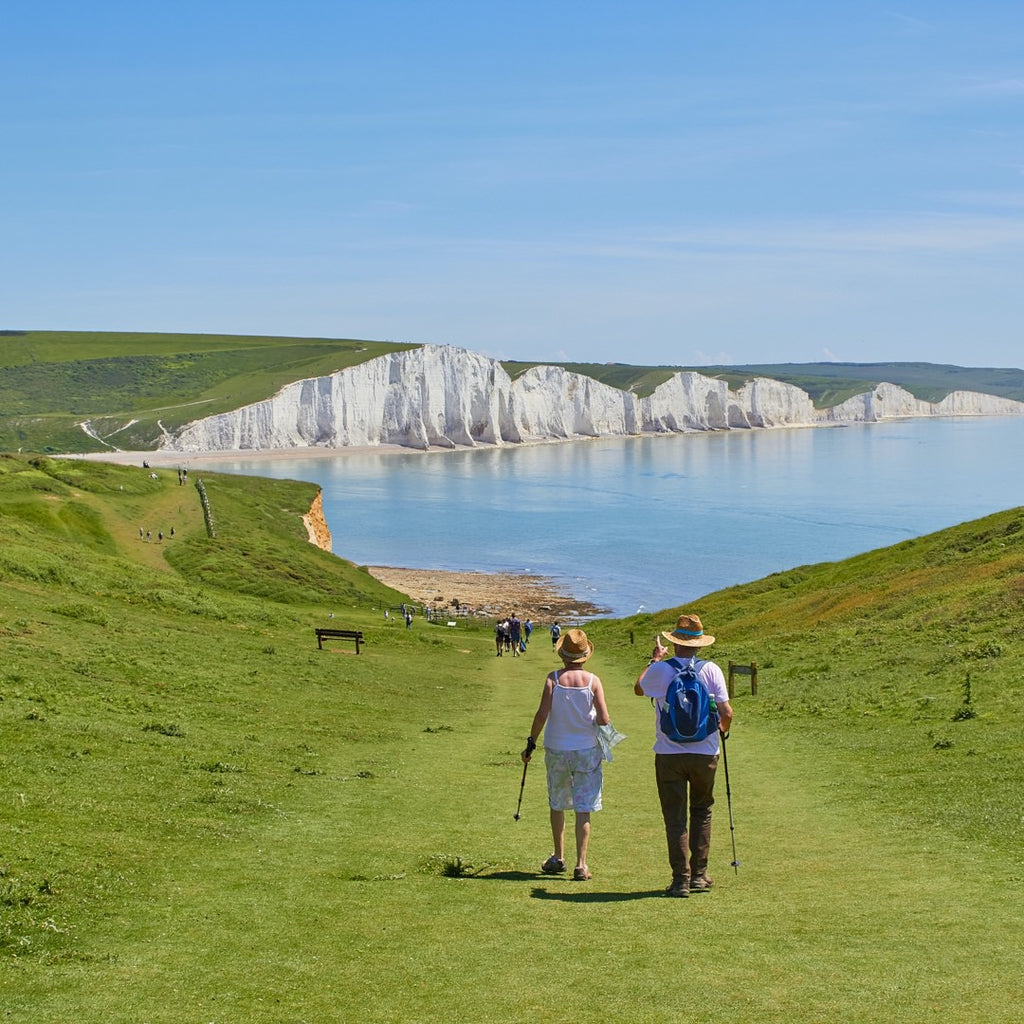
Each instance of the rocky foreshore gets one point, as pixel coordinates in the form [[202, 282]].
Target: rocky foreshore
[[487, 594]]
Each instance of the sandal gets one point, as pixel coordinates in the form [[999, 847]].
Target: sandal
[[553, 866], [581, 875]]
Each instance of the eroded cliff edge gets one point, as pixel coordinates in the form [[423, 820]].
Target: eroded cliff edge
[[316, 524], [445, 397]]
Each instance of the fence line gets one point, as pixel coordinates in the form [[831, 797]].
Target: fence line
[[207, 514]]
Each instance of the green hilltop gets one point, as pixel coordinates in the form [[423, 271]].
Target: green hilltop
[[132, 387], [206, 817]]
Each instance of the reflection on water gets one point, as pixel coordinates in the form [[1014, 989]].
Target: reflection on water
[[657, 521]]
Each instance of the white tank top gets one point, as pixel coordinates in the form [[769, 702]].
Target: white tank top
[[570, 726]]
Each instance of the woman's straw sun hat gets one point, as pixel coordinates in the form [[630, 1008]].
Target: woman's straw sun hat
[[574, 647]]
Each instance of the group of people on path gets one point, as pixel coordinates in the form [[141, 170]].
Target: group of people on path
[[571, 710], [406, 615], [147, 535], [512, 635]]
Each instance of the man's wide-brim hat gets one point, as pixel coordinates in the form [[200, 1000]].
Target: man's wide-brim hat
[[689, 632], [574, 647]]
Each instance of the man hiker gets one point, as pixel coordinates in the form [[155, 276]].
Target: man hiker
[[556, 632], [685, 771], [515, 633]]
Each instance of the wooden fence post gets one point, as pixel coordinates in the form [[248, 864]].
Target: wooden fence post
[[743, 670]]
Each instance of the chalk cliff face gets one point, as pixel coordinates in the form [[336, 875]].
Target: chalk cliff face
[[548, 402], [440, 396], [887, 401]]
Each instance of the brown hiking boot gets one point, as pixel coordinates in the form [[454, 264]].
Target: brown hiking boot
[[679, 888], [701, 883]]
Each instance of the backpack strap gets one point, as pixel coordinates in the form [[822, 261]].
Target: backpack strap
[[679, 663]]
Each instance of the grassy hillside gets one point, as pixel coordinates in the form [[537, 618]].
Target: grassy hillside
[[204, 817], [129, 388], [907, 662], [126, 385]]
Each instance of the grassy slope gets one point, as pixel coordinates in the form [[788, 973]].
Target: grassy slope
[[206, 818], [128, 386]]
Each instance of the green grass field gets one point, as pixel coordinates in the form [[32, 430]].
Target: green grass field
[[207, 819], [130, 387]]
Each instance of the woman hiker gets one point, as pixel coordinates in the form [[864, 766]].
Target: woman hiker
[[572, 705]]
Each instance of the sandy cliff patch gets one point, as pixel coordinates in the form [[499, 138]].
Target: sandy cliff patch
[[316, 525]]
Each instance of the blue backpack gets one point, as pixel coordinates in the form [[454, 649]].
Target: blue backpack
[[688, 712]]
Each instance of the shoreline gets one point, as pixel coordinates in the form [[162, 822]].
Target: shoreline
[[163, 459]]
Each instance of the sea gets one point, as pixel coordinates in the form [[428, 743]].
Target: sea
[[646, 523]]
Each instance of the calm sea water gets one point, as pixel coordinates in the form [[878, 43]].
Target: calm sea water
[[654, 522]]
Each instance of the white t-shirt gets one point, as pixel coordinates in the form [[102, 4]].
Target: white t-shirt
[[655, 684]]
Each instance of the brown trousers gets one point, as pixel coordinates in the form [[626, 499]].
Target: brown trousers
[[687, 782]]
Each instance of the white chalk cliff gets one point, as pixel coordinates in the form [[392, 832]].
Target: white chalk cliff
[[441, 396], [887, 402]]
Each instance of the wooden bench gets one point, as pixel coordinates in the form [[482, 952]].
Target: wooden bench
[[340, 634], [743, 670]]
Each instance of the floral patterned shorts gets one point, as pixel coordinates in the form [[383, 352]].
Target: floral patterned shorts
[[574, 779]]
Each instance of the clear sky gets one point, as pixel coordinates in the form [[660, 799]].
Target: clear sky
[[642, 182]]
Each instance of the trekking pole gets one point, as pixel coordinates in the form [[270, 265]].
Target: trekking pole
[[522, 786], [728, 800]]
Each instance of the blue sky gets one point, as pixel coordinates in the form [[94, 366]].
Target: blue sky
[[642, 182]]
